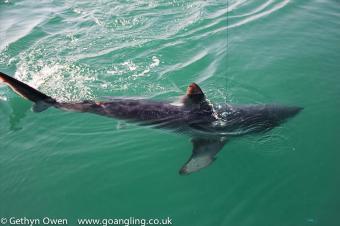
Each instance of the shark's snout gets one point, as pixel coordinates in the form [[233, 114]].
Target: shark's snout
[[291, 111], [281, 113]]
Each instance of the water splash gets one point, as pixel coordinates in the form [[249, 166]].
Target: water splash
[[51, 79]]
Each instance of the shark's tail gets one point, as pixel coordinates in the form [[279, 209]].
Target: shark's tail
[[41, 101]]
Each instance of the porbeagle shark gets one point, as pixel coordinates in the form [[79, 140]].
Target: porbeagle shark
[[209, 126]]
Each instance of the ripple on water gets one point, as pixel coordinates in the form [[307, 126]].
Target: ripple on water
[[89, 47], [86, 44], [275, 142]]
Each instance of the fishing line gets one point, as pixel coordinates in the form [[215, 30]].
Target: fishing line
[[227, 50]]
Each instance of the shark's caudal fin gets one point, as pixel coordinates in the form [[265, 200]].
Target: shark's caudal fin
[[41, 101]]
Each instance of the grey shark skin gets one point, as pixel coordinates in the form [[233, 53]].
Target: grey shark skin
[[209, 126]]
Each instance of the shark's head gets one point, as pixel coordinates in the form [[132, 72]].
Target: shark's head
[[280, 114], [242, 119]]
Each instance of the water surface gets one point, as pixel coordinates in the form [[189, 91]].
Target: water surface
[[69, 165]]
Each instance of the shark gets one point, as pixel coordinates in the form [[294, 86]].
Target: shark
[[210, 126]]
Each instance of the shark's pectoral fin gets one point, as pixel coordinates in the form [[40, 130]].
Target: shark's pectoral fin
[[40, 106], [203, 154]]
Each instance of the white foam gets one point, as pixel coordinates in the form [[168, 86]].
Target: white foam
[[51, 80], [155, 62], [3, 98], [130, 65]]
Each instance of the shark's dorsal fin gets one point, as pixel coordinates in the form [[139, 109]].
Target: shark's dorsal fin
[[194, 95], [195, 99]]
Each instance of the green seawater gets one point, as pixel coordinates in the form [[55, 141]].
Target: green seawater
[[72, 165]]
